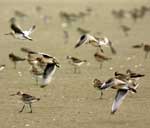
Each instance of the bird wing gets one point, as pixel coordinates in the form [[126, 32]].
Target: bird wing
[[48, 70], [16, 28], [31, 29], [27, 50], [85, 38], [120, 96], [108, 84], [28, 97], [48, 73]]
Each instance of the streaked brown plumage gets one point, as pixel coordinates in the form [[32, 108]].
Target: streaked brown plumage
[[14, 58], [101, 58]]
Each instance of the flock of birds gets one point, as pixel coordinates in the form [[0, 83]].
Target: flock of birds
[[43, 65]]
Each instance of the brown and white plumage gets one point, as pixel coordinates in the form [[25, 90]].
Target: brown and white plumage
[[26, 99], [101, 58], [18, 32], [15, 59], [76, 62]]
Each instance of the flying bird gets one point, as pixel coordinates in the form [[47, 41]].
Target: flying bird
[[18, 32]]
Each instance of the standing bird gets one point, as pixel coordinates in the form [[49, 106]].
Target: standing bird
[[125, 29], [49, 72], [147, 50], [18, 33], [15, 59], [101, 58], [27, 99], [76, 63]]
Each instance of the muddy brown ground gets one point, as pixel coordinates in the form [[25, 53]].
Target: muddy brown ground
[[70, 101]]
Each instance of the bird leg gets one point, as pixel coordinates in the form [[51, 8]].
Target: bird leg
[[101, 95], [146, 55], [30, 108], [36, 79], [22, 108], [15, 65]]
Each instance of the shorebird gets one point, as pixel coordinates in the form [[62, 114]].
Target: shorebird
[[20, 14], [104, 41], [76, 63], [49, 72], [138, 45], [27, 99], [18, 33], [2, 67], [82, 31], [86, 39], [146, 48], [36, 72], [15, 59], [97, 84], [101, 58], [122, 90], [125, 29], [95, 41]]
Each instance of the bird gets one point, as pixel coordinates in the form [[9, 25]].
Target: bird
[[146, 48], [133, 74], [122, 90], [138, 45], [76, 62], [97, 84], [26, 99], [82, 30], [104, 41], [2, 67], [101, 58], [17, 31], [95, 41], [15, 59], [36, 72], [125, 29], [49, 72], [86, 39]]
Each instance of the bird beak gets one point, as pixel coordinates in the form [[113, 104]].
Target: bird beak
[[8, 33], [13, 94]]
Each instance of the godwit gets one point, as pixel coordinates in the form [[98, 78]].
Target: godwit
[[122, 90], [76, 63], [146, 48], [27, 99], [18, 33], [15, 59], [101, 58]]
